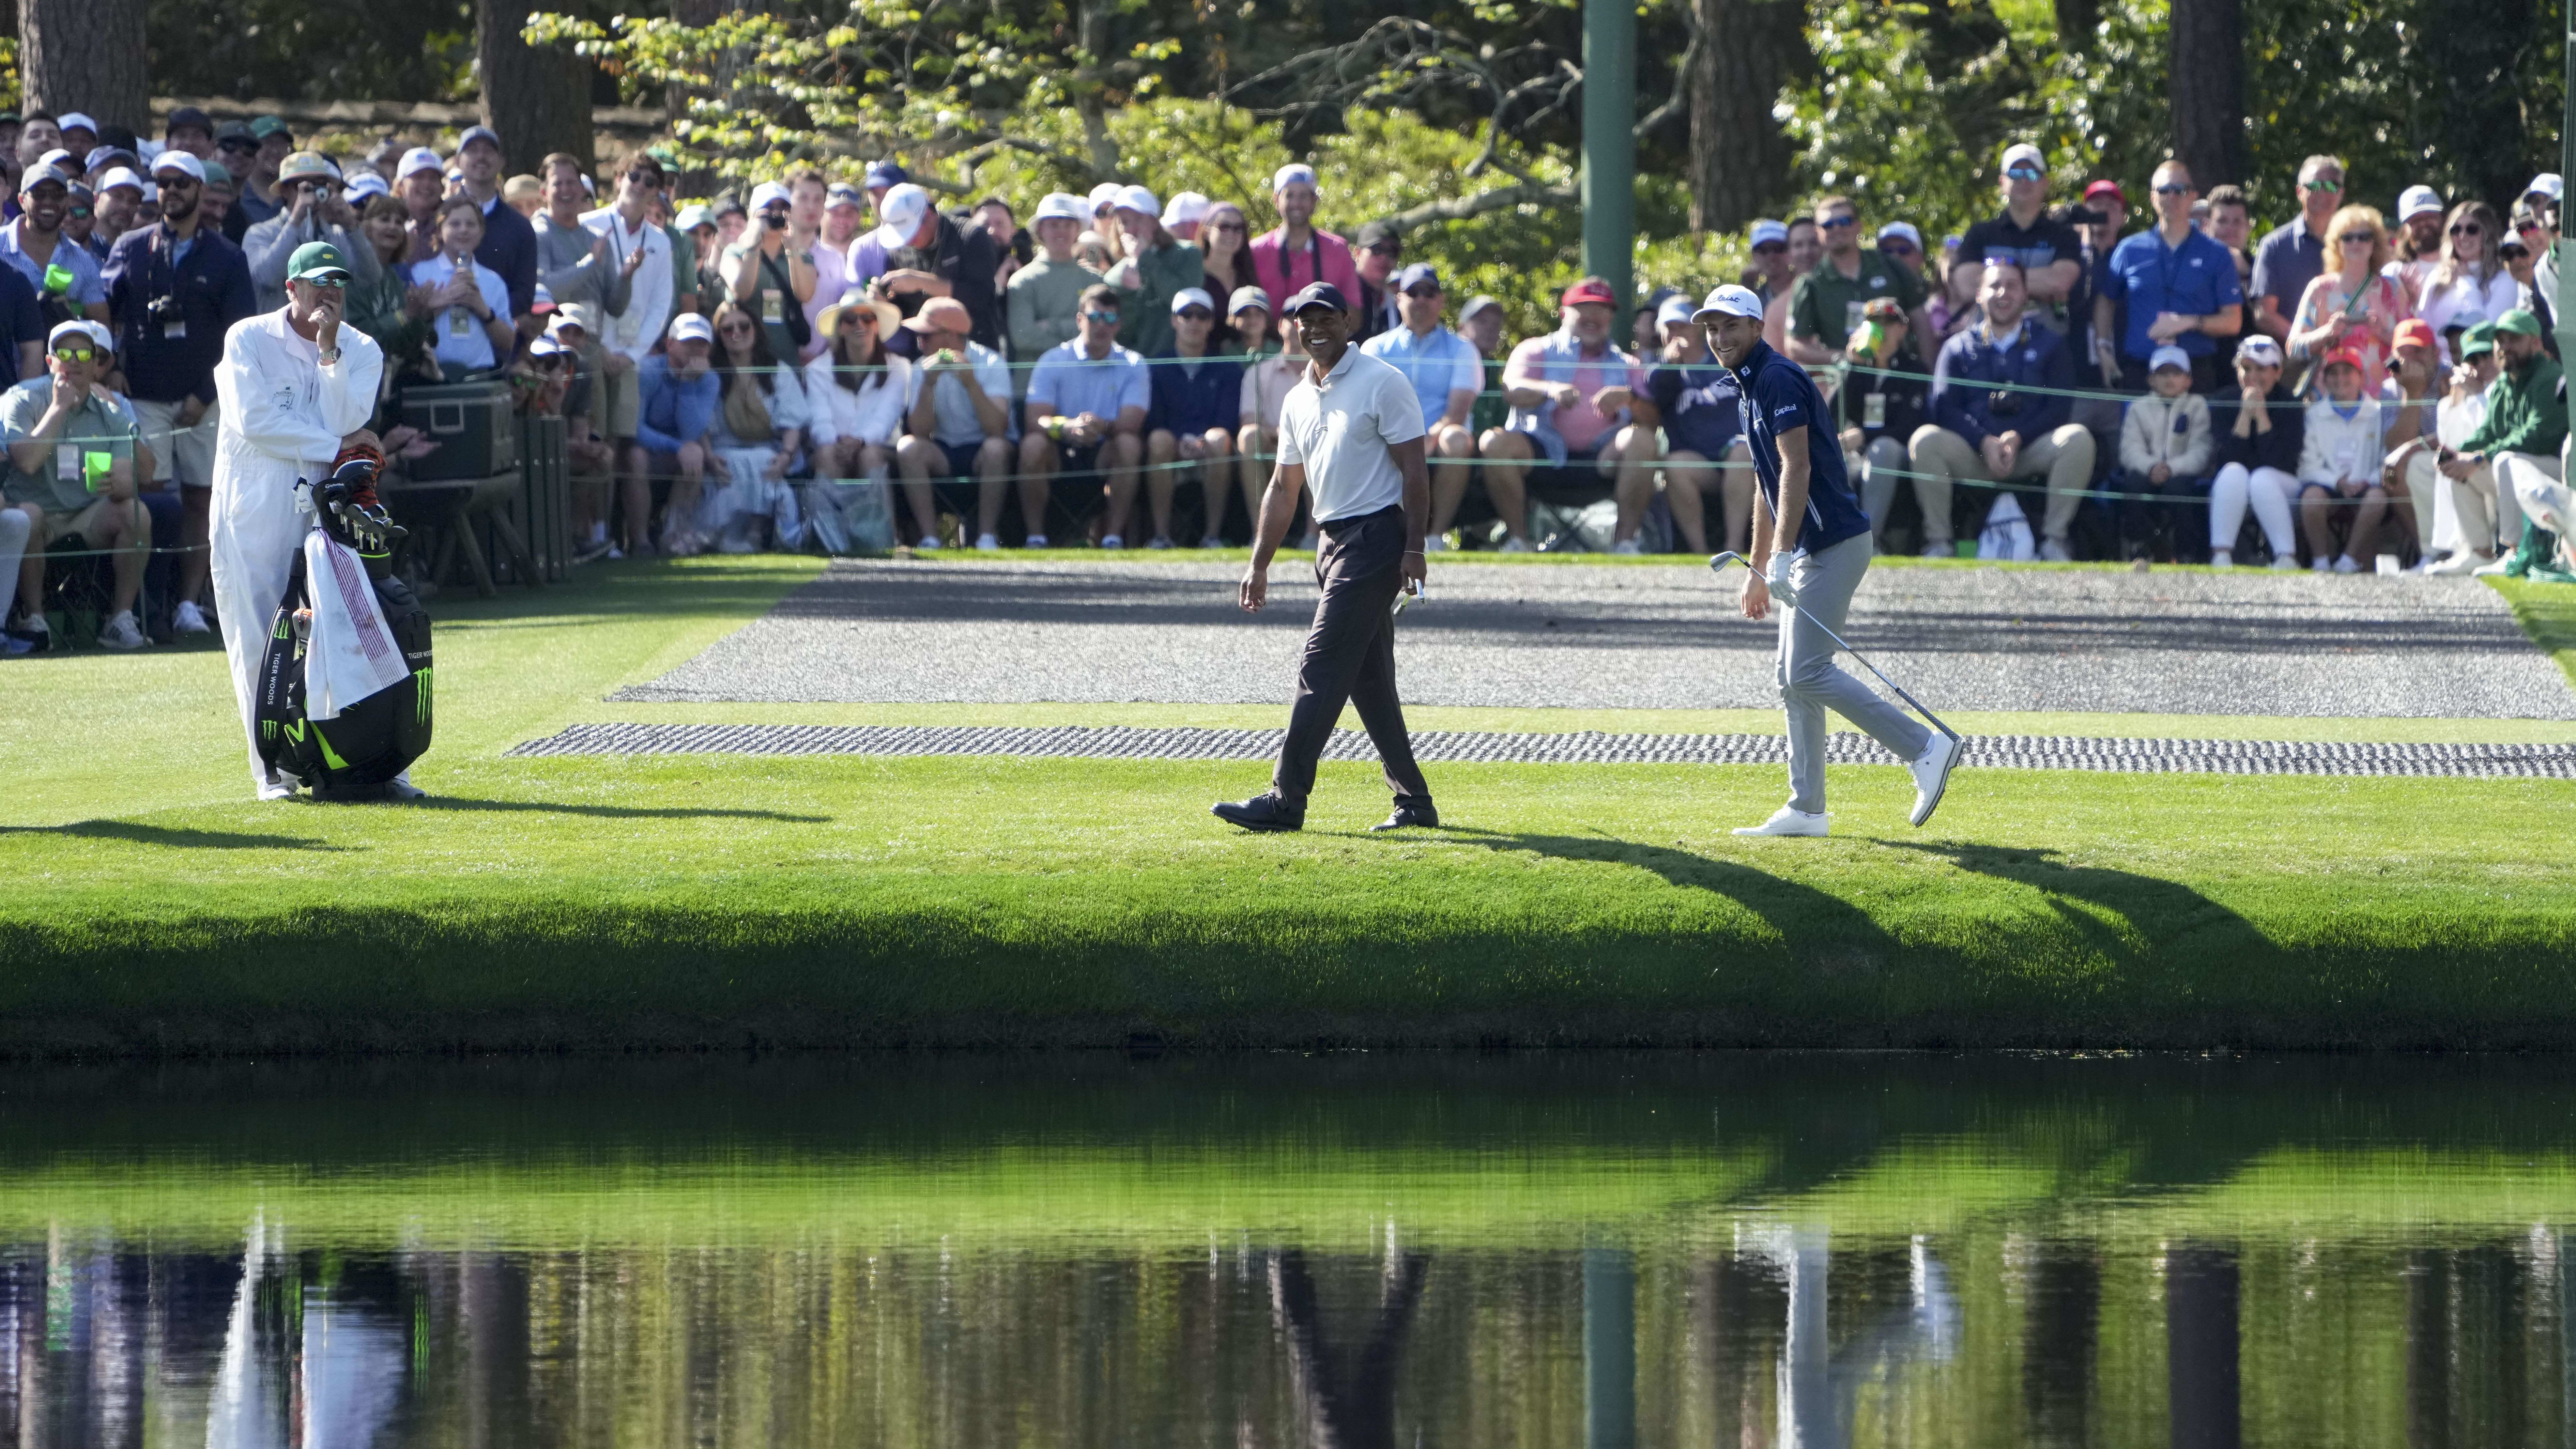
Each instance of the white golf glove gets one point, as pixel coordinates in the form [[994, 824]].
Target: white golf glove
[[1776, 577]]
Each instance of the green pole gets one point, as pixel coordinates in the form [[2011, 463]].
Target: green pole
[[2566, 165], [1610, 148]]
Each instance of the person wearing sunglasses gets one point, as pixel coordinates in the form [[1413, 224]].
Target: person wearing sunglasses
[[2529, 293], [2292, 255], [2174, 286], [1189, 430], [308, 190], [2049, 252], [2540, 200], [2417, 242], [38, 245], [2352, 306], [1825, 306], [75, 451], [2468, 276], [1084, 435], [1225, 240]]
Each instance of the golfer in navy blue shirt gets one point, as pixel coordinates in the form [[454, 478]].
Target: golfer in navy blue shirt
[[1811, 546]]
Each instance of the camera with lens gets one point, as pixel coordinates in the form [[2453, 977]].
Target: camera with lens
[[2003, 402], [774, 220], [163, 309]]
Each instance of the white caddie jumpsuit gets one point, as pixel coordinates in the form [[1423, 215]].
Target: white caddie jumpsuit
[[283, 417]]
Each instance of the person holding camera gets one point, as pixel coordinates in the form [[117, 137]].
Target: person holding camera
[[770, 279], [175, 289], [310, 210]]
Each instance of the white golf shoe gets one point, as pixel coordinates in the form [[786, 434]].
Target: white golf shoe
[[1788, 822], [189, 619], [1932, 775]]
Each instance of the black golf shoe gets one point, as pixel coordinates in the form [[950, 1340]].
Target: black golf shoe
[[1261, 812], [1410, 812]]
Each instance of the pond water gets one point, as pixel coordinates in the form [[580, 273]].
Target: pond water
[[1349, 1250]]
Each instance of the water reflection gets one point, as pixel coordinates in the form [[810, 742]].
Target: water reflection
[[1881, 1252]]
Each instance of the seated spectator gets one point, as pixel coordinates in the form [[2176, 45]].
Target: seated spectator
[[1266, 381], [2407, 407], [1826, 304], [1160, 267], [2518, 442], [1883, 399], [1999, 413], [1446, 375], [1086, 417], [678, 395], [393, 309], [1189, 426], [2528, 294], [2457, 417], [2352, 306], [2339, 462], [75, 457], [855, 398], [2164, 459], [2467, 275], [2170, 285], [471, 301], [1578, 402], [312, 211], [759, 432], [69, 281], [2258, 431], [1481, 322], [1045, 296], [570, 370], [1705, 451], [957, 444]]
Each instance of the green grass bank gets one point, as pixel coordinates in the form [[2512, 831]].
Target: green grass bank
[[146, 906]]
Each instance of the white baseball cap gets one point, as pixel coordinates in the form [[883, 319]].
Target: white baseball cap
[[2168, 356], [1192, 297], [99, 334], [76, 121], [417, 160], [544, 347], [177, 160], [1729, 301], [2414, 201], [2261, 350], [1904, 229], [367, 183], [1138, 199], [2547, 183], [1291, 174], [1061, 206], [1769, 231], [767, 192], [691, 327], [2023, 151], [1105, 195], [1675, 309], [121, 176], [902, 208], [1185, 207], [565, 316]]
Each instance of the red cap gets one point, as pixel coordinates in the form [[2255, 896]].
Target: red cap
[[2417, 331], [2343, 354], [1589, 290], [2106, 187]]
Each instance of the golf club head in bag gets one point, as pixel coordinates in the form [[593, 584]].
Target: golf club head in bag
[[1717, 565], [349, 511]]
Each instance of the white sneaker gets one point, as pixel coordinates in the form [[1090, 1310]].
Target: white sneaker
[[2321, 565], [2347, 564], [1628, 546], [987, 543], [928, 544], [120, 633], [189, 619], [1111, 540], [1158, 541], [1514, 544], [1932, 775], [2054, 551], [1787, 822], [2496, 565], [1034, 540], [2285, 563], [2222, 558], [277, 789]]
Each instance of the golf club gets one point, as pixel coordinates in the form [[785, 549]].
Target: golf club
[[1717, 565]]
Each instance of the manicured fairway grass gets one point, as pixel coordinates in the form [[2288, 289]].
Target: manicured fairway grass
[[727, 900]]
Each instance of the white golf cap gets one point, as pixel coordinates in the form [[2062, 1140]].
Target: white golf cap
[[842, 193], [1192, 297], [368, 183], [76, 121], [544, 347], [565, 316], [1766, 231], [2547, 183], [1292, 174], [693, 216], [1105, 196], [176, 160], [691, 327], [417, 160], [1904, 229], [1061, 206], [2414, 201], [1675, 309], [99, 334], [1247, 299], [121, 177], [767, 192], [2164, 357], [2260, 350], [478, 133], [75, 329], [1184, 208], [900, 210], [1139, 200], [1729, 301], [60, 159], [2025, 154]]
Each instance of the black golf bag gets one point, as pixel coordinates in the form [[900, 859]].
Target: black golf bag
[[354, 755]]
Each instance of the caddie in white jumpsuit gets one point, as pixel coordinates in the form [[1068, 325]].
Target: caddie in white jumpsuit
[[295, 386]]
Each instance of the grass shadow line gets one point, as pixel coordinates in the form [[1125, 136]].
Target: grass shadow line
[[176, 839], [610, 812]]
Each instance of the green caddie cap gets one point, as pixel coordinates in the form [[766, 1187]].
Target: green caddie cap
[[2478, 340], [267, 126], [2520, 322], [316, 260]]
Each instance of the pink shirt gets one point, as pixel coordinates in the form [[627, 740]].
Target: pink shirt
[[1284, 277], [1583, 426]]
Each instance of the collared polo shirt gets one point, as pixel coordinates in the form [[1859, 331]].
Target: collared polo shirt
[[1778, 397], [1825, 306], [103, 423], [2196, 279], [2286, 260], [1072, 381], [461, 340], [1343, 431], [89, 280], [1437, 363]]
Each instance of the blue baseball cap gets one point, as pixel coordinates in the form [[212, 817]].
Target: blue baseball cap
[[1416, 275], [885, 174]]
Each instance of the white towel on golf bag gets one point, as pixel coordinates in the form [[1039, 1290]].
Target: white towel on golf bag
[[2007, 532], [351, 653]]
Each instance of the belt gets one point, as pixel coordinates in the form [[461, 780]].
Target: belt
[[1356, 519]]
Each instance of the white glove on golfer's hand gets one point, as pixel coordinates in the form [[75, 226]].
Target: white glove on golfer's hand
[[1775, 576]]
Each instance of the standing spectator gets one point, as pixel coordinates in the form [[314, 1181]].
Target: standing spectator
[[391, 310], [2418, 243], [1086, 416], [2339, 462], [845, 215], [2231, 225], [70, 412], [526, 195], [574, 265], [957, 444], [2164, 459], [384, 156], [1699, 402], [2293, 254], [1189, 427], [215, 201], [238, 152], [760, 427], [928, 255], [188, 129], [675, 418], [2520, 440], [2541, 199], [421, 182], [2048, 251], [258, 200], [1999, 413], [2528, 293], [2468, 278], [39, 133], [1295, 254], [2176, 285], [1884, 398], [1010, 239], [855, 396], [509, 245], [771, 278], [1183, 215], [1578, 401], [1446, 374], [2106, 211], [1825, 306], [314, 212], [1104, 220], [1266, 384], [2258, 432], [175, 290], [1045, 297], [472, 302], [1769, 243], [1378, 252], [80, 218], [120, 208], [80, 136], [34, 244], [2352, 306], [22, 345], [1226, 238], [1901, 242], [808, 197], [1161, 267], [1481, 322], [627, 339]]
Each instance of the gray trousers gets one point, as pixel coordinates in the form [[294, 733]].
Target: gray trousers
[[1810, 684]]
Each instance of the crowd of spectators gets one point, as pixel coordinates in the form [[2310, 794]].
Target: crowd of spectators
[[828, 362]]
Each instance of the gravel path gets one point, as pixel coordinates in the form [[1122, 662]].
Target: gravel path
[[1575, 636]]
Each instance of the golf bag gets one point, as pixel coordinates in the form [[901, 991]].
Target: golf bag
[[356, 752]]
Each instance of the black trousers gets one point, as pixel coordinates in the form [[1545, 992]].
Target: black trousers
[[1350, 658]]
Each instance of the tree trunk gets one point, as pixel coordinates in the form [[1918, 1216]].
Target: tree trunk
[[2207, 86], [2076, 20], [1739, 155], [538, 99], [1088, 101], [85, 55]]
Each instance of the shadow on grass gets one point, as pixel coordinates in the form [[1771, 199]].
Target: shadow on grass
[[175, 839], [609, 812], [1799, 912], [2159, 914]]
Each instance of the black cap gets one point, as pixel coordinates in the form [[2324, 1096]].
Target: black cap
[[120, 137], [189, 116], [1317, 294], [1376, 232]]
